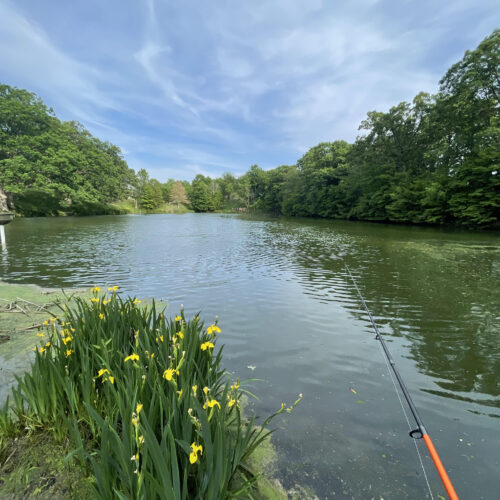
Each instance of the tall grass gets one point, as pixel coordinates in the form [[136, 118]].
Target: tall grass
[[149, 409]]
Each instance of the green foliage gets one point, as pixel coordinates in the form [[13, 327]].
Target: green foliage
[[166, 189], [147, 406], [38, 202], [151, 196], [204, 195], [432, 161], [52, 166], [22, 113]]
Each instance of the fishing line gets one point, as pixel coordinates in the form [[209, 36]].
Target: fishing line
[[409, 427], [420, 432]]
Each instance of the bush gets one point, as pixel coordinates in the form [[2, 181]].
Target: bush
[[36, 203]]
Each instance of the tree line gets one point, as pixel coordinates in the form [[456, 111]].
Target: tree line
[[434, 160]]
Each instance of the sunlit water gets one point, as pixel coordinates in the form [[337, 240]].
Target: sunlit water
[[290, 316]]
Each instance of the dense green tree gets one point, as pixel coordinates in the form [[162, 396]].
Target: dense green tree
[[22, 113], [166, 189], [274, 194], [257, 183], [469, 103], [228, 187], [156, 190], [51, 166], [140, 183], [321, 170], [200, 195], [148, 199]]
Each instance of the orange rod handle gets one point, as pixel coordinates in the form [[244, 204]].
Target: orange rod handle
[[439, 466]]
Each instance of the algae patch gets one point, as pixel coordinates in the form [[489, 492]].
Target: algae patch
[[447, 250], [23, 308]]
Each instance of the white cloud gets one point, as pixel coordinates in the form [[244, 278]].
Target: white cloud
[[31, 57], [210, 87]]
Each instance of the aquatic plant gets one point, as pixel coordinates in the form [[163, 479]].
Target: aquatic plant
[[148, 408]]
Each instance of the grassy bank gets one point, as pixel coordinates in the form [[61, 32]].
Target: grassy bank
[[139, 401], [33, 207], [128, 207]]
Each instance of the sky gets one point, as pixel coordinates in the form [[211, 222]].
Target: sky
[[191, 87]]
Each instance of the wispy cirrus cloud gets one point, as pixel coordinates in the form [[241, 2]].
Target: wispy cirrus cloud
[[192, 87]]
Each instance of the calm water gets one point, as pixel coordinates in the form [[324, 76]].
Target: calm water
[[290, 316]]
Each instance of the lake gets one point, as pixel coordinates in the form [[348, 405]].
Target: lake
[[290, 316]]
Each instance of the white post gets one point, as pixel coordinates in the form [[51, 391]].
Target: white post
[[2, 235]]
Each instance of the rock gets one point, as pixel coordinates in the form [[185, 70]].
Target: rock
[[3, 201]]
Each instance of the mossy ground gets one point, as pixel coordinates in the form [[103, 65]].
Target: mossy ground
[[34, 466]]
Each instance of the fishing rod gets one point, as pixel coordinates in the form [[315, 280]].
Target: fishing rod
[[420, 432]]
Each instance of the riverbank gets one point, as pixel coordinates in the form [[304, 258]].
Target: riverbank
[[128, 207], [32, 455]]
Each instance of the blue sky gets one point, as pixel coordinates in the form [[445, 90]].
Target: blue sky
[[187, 87]]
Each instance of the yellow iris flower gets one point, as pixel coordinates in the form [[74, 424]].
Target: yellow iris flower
[[211, 403], [206, 345], [213, 329], [193, 456], [132, 357]]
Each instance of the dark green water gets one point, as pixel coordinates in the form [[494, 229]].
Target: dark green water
[[291, 317]]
